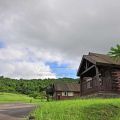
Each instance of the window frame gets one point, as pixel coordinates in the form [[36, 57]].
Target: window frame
[[64, 93], [67, 93], [89, 83]]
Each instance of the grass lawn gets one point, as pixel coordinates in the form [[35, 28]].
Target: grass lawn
[[12, 98], [90, 109]]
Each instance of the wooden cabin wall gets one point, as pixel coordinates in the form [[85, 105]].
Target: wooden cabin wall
[[58, 95], [116, 80], [106, 78], [105, 83], [110, 79], [94, 86]]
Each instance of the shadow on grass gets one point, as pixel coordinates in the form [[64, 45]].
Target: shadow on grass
[[101, 112]]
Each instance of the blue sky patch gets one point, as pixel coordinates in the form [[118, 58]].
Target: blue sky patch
[[2, 44], [62, 70]]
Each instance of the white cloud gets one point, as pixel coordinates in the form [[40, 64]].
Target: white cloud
[[8, 54], [57, 31], [70, 27], [16, 63], [27, 70]]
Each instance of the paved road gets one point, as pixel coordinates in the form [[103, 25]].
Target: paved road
[[16, 111]]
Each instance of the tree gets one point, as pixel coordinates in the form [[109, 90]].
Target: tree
[[115, 52]]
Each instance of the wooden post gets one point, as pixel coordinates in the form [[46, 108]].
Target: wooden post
[[80, 85], [86, 66], [97, 76], [47, 98]]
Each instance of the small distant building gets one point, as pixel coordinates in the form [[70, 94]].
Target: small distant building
[[99, 74], [61, 91]]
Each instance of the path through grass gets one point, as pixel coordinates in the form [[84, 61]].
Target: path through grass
[[89, 109]]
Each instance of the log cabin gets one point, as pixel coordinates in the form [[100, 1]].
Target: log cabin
[[62, 91], [99, 74]]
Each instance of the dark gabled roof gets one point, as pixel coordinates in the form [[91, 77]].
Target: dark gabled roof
[[67, 87], [99, 59]]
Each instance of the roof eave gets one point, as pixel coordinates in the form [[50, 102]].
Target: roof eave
[[67, 91], [107, 64], [85, 57]]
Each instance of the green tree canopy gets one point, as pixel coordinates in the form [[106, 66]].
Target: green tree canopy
[[115, 52]]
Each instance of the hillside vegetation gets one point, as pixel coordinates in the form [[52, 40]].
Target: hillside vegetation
[[90, 109], [80, 109], [33, 88]]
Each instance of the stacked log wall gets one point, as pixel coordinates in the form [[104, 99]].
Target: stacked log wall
[[116, 80]]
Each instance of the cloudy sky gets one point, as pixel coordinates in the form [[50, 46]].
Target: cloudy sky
[[47, 38]]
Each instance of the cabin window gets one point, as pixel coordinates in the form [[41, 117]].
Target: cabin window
[[67, 93], [102, 72], [96, 83], [101, 81], [89, 83], [70, 93], [64, 94]]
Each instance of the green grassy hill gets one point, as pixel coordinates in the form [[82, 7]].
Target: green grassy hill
[[90, 109], [86, 109], [12, 98]]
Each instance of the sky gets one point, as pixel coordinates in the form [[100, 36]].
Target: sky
[[47, 38]]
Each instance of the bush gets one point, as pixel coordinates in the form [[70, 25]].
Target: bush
[[35, 95]]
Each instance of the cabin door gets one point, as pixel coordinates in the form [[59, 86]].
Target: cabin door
[[58, 97], [107, 81]]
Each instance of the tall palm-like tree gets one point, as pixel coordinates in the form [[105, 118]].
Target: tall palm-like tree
[[115, 52]]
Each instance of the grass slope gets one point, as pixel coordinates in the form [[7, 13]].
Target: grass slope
[[90, 109], [10, 98]]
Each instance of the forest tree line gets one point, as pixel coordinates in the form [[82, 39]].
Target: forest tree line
[[34, 88]]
